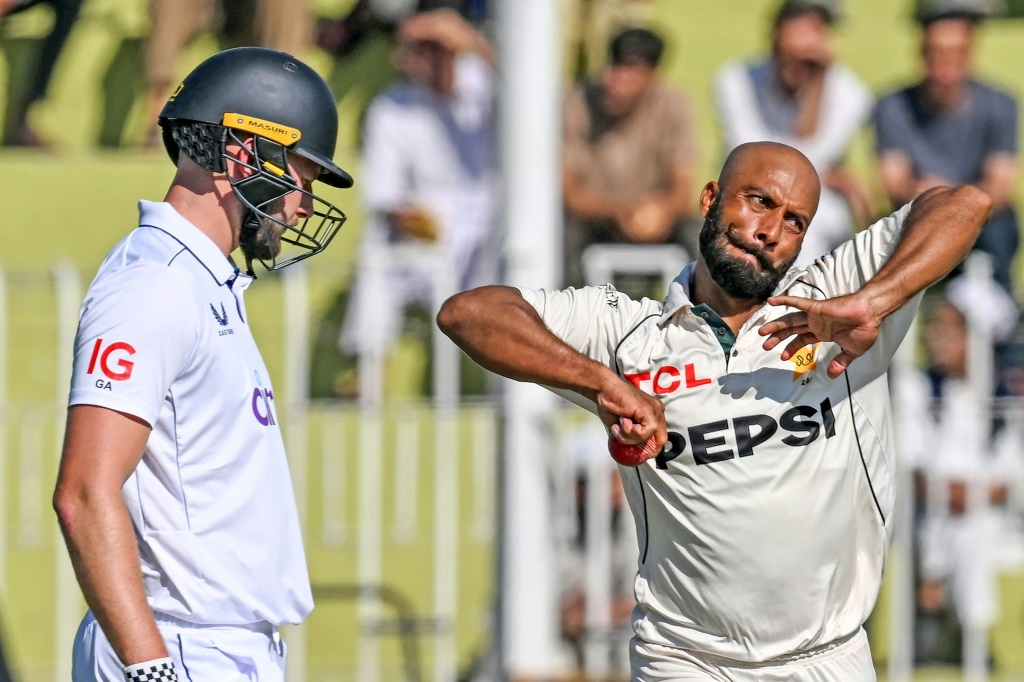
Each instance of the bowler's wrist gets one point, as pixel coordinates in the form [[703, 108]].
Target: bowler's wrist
[[157, 670], [598, 379], [883, 300]]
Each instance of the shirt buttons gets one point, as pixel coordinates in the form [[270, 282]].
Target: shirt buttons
[[735, 353], [721, 332], [704, 315]]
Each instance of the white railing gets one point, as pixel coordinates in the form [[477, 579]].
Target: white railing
[[602, 263]]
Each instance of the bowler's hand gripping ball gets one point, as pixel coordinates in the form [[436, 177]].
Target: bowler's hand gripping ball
[[632, 455]]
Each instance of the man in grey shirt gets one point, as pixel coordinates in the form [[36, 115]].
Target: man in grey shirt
[[951, 129]]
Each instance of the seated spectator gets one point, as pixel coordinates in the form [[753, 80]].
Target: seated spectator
[[17, 130], [966, 458], [588, 25], [951, 129], [800, 96], [629, 156], [429, 176]]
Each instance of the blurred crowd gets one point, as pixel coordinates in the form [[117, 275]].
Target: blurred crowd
[[430, 188]]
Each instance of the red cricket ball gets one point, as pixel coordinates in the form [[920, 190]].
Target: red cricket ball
[[632, 455]]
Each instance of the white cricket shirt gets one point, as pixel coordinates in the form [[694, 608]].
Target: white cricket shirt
[[163, 335], [763, 527]]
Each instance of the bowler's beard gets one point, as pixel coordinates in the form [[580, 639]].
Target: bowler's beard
[[738, 277]]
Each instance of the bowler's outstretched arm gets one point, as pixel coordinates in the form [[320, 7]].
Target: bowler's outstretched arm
[[503, 333], [942, 226]]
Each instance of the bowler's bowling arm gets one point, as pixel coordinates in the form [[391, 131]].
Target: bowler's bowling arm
[[503, 333]]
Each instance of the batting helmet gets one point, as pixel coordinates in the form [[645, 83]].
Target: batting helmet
[[287, 108]]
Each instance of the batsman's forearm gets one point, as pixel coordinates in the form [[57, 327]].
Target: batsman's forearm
[[502, 333], [941, 228], [101, 543]]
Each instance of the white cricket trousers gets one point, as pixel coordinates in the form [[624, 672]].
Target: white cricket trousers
[[845, 661], [221, 653]]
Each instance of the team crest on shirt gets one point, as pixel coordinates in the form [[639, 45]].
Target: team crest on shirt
[[222, 319], [804, 361]]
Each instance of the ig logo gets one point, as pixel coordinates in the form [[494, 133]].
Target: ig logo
[[262, 403], [114, 367]]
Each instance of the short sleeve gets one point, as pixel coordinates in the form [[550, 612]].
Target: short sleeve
[[887, 124], [384, 161], [849, 267], [136, 333], [678, 116], [576, 128], [1003, 132], [592, 320], [853, 263]]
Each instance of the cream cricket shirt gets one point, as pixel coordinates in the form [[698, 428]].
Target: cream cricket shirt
[[163, 335], [763, 525]]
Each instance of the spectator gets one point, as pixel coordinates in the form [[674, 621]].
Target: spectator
[[802, 97], [953, 129], [429, 175], [283, 25], [966, 459], [587, 25], [17, 130], [629, 155]]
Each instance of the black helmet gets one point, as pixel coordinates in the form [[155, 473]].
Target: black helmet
[[273, 94], [287, 108]]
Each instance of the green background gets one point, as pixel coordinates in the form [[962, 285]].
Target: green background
[[72, 204]]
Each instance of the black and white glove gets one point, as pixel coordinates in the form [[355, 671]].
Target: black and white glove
[[159, 670]]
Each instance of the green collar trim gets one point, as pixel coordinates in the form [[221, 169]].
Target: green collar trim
[[722, 332]]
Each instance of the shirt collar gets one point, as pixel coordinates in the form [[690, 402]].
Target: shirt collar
[[162, 216], [679, 290]]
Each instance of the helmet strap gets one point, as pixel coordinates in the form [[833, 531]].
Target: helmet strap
[[250, 224]]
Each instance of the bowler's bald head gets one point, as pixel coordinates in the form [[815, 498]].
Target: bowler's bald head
[[752, 160]]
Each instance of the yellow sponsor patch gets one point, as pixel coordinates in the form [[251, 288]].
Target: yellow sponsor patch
[[804, 361], [177, 91], [257, 126]]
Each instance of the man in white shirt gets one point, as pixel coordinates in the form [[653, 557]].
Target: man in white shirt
[[763, 517], [430, 167], [801, 96], [174, 494]]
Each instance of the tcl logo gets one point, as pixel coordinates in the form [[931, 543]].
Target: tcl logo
[[668, 379], [111, 359]]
